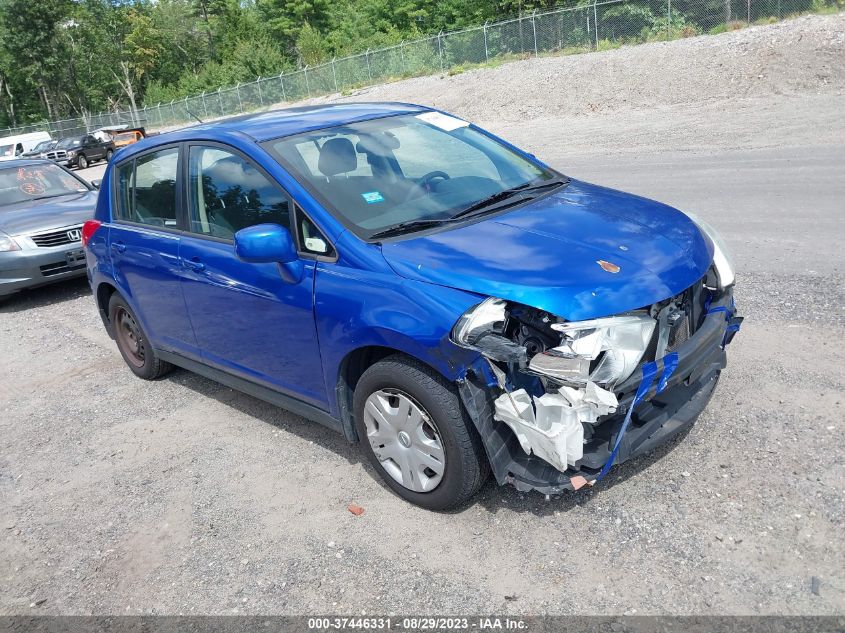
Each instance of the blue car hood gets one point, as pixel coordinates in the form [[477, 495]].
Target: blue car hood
[[547, 253], [37, 215]]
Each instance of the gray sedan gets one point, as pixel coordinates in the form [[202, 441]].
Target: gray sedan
[[42, 209]]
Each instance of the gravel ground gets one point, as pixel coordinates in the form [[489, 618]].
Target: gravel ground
[[182, 496]]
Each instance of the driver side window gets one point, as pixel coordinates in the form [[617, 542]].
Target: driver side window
[[227, 193]]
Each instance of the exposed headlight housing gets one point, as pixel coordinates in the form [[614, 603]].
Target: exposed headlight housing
[[614, 346], [8, 244], [722, 260], [487, 316], [605, 351]]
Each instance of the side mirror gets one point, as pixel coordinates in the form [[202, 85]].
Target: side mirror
[[96, 183], [270, 243]]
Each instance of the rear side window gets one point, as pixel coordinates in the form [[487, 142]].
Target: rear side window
[[228, 193], [146, 189]]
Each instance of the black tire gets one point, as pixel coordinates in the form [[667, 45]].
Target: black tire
[[82, 162], [135, 346], [466, 466], [109, 154]]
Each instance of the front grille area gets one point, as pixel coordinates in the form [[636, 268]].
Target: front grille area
[[679, 334], [59, 154], [56, 238], [58, 268], [681, 323]]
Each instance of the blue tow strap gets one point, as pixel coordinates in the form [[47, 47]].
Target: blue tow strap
[[733, 322], [670, 363], [724, 309]]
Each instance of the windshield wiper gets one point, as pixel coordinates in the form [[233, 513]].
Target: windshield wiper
[[485, 204], [410, 225], [488, 203], [55, 195]]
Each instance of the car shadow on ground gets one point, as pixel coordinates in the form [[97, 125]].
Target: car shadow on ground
[[268, 413], [277, 417], [491, 497], [42, 296]]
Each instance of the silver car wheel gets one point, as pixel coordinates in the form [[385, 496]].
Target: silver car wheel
[[405, 440]]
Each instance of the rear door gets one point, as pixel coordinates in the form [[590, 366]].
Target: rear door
[[247, 319], [144, 243]]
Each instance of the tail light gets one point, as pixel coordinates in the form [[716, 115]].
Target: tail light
[[88, 230]]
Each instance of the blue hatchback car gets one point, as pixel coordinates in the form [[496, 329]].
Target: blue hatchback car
[[430, 291]]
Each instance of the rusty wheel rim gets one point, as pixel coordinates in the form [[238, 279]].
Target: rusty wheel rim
[[129, 337]]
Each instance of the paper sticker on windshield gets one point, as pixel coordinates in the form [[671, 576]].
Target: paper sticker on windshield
[[443, 121], [372, 197], [32, 188]]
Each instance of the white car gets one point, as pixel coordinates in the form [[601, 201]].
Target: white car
[[13, 146]]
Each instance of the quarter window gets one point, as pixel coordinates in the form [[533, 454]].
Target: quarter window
[[227, 194], [146, 189], [311, 239]]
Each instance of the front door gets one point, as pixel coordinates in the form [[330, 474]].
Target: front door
[[246, 318]]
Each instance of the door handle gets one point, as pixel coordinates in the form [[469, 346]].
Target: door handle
[[119, 247], [193, 264]]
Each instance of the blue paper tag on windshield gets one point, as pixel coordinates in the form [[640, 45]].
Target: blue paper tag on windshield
[[372, 197]]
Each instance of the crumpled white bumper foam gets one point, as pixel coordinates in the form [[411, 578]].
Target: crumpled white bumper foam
[[551, 426]]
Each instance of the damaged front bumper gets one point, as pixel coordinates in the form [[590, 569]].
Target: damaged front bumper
[[671, 405]]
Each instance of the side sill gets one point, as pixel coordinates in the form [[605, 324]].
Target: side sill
[[253, 389]]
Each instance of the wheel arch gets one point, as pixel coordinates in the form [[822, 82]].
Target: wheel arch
[[353, 366], [103, 294]]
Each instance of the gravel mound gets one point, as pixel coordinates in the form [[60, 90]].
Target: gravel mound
[[800, 56]]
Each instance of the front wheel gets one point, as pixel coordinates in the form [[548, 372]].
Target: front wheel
[[82, 162], [416, 434], [133, 343]]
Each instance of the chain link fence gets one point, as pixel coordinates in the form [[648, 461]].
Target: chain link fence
[[599, 25]]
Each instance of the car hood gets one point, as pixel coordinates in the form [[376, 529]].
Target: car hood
[[553, 253], [38, 215]]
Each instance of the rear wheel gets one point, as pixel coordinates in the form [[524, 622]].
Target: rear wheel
[[132, 343], [82, 162], [416, 434]]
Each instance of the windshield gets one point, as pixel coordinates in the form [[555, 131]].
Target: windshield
[[42, 146], [68, 142], [35, 182], [125, 136], [395, 171]]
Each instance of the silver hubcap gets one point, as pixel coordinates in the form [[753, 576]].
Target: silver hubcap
[[405, 440]]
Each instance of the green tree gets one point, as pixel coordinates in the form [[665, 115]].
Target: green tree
[[34, 51], [310, 46], [286, 18]]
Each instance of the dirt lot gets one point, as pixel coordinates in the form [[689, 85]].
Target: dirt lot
[[182, 496]]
